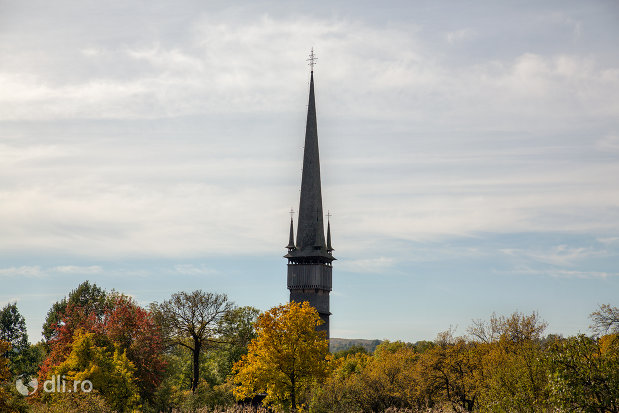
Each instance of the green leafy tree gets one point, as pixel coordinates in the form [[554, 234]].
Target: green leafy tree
[[13, 327], [23, 358], [287, 356], [89, 297], [170, 394], [236, 334], [585, 374]]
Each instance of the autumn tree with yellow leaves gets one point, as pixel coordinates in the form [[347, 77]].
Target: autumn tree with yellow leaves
[[108, 369], [514, 367], [287, 356], [451, 371]]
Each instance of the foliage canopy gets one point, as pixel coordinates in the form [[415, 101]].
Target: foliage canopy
[[287, 356]]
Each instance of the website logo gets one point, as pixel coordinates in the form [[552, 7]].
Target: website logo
[[57, 384], [24, 389]]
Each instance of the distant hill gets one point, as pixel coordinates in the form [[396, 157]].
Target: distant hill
[[339, 344]]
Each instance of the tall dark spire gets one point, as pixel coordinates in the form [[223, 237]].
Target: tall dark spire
[[309, 262], [310, 228]]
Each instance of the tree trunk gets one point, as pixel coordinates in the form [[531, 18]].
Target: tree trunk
[[197, 347], [292, 395]]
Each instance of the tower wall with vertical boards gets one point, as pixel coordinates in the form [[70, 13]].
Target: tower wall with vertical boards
[[312, 283], [310, 257]]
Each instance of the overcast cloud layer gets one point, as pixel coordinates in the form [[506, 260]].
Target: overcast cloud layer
[[469, 149]]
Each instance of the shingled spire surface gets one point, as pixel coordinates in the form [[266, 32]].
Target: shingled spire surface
[[310, 229]]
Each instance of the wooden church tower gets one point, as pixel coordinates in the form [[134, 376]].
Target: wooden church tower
[[310, 258]]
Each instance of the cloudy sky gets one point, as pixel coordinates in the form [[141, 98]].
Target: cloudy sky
[[470, 154]]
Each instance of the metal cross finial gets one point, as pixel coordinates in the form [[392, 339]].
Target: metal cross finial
[[329, 215], [291, 213], [312, 59]]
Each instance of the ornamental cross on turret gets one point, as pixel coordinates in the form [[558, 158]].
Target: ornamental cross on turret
[[312, 59]]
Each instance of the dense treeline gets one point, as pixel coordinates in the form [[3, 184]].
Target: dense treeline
[[175, 355], [504, 365], [198, 351]]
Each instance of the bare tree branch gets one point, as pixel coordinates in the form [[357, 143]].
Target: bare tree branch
[[605, 320]]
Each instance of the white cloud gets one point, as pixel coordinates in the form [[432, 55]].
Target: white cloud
[[609, 143], [185, 207], [237, 66], [190, 269], [460, 35], [36, 271], [561, 273], [23, 271], [91, 52], [440, 204], [367, 265], [559, 255], [434, 169], [76, 269]]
